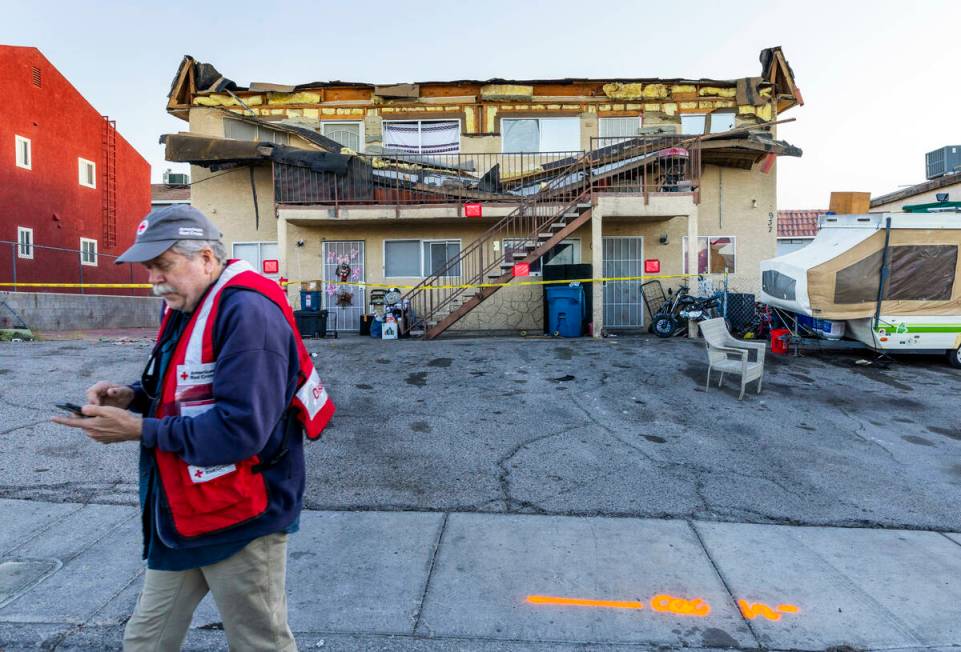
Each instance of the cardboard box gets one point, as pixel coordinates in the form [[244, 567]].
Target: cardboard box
[[850, 203]]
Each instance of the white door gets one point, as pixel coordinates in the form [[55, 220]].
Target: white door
[[623, 303], [344, 303]]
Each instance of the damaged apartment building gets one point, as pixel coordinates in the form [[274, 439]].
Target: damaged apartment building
[[441, 188]]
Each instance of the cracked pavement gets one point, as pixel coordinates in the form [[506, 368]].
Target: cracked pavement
[[618, 427], [460, 476]]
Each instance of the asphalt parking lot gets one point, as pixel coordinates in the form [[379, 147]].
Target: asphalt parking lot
[[617, 427]]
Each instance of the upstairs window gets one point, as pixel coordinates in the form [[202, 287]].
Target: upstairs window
[[88, 173], [24, 153], [615, 130], [721, 121], [423, 136], [348, 134], [541, 135], [695, 124], [88, 252], [24, 242], [240, 130], [692, 124]]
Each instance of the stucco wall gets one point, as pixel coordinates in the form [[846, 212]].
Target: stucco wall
[[728, 209], [226, 197]]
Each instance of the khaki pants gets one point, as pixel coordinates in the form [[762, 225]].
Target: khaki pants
[[249, 589]]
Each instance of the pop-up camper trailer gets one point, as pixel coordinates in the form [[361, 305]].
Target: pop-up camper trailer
[[836, 281]]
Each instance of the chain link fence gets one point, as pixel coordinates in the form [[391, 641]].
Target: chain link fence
[[738, 302], [28, 267]]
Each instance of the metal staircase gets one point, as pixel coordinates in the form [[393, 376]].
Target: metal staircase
[[541, 221]]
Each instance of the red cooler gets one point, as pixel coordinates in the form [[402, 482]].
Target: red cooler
[[779, 340]]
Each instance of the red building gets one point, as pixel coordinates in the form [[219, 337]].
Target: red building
[[72, 190]]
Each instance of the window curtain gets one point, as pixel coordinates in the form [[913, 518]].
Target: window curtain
[[402, 137], [521, 135], [441, 137]]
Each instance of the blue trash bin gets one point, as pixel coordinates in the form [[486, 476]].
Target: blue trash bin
[[565, 310], [310, 300]]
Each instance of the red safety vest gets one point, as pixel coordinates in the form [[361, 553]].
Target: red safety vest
[[205, 500]]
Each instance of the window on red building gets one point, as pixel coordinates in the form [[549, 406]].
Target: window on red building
[[24, 154], [24, 242], [88, 173]]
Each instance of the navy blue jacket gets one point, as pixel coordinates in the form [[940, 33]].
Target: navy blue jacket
[[255, 379]]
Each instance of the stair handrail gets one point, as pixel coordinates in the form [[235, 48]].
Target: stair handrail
[[566, 177], [501, 225]]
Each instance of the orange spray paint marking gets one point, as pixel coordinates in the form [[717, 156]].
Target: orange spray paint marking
[[580, 602], [752, 611], [680, 606]]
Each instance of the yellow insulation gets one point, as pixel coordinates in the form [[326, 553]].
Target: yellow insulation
[[719, 92], [304, 97], [618, 91], [506, 90]]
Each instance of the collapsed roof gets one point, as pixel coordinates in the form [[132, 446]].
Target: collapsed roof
[[194, 78]]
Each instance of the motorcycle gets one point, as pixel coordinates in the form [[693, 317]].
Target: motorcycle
[[673, 317]]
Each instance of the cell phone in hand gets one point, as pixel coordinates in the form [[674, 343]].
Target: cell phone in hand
[[72, 408]]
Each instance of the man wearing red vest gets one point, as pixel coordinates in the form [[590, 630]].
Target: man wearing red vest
[[220, 414]]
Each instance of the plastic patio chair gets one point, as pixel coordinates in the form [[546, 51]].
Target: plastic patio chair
[[730, 355]]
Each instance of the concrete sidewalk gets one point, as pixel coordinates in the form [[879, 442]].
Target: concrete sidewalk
[[70, 575]]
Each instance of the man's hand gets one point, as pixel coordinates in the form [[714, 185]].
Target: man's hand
[[106, 424], [112, 394]]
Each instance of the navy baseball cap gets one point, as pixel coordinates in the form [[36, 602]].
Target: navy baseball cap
[[164, 227]]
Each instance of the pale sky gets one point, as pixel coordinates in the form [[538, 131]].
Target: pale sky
[[880, 78]]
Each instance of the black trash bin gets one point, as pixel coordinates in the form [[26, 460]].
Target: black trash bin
[[311, 323]]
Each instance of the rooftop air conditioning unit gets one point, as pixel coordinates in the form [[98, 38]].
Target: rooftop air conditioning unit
[[176, 178], [943, 161]]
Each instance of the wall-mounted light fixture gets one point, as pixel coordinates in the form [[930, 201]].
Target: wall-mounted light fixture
[[663, 239]]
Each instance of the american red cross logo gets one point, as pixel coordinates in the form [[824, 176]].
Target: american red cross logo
[[198, 473], [317, 392], [184, 375]]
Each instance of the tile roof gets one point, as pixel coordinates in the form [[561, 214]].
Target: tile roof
[[798, 223], [161, 192]]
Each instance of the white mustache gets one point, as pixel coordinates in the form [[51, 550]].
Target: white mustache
[[160, 289]]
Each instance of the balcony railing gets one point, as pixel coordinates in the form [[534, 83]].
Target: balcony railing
[[641, 165]]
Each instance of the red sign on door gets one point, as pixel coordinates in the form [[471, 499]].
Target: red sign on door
[[473, 209], [271, 266], [652, 266], [522, 269]]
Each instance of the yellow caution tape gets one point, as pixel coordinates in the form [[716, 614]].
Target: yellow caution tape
[[363, 284], [513, 282], [145, 286]]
